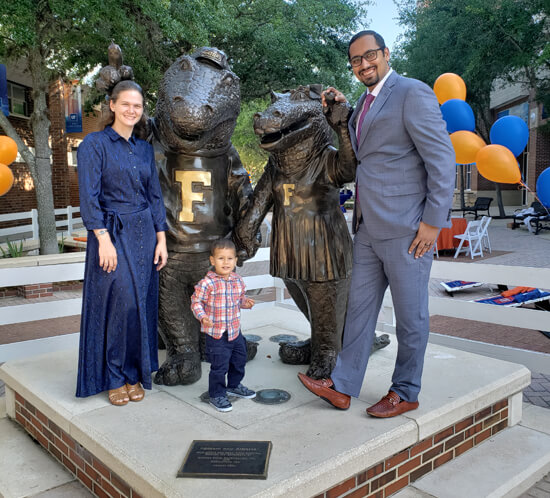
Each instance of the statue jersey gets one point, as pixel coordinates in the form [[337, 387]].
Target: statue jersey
[[202, 196], [310, 238]]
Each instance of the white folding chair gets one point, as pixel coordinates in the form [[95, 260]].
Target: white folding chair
[[436, 251], [472, 235], [485, 242]]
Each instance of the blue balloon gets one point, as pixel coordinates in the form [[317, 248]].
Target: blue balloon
[[512, 132], [543, 187], [458, 115]]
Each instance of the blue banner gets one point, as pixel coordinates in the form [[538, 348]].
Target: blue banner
[[73, 108], [4, 104]]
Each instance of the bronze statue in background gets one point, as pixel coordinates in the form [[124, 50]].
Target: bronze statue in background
[[206, 190], [311, 249]]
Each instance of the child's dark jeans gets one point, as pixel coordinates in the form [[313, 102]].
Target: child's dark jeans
[[225, 357]]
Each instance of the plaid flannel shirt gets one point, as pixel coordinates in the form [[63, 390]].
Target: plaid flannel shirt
[[221, 300]]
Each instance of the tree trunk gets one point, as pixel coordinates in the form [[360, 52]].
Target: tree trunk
[[40, 123], [22, 148]]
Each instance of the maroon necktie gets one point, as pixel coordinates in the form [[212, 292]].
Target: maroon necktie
[[368, 101]]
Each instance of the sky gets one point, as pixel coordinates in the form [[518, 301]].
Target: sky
[[382, 17]]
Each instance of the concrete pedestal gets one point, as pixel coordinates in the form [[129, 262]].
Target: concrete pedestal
[[137, 450]]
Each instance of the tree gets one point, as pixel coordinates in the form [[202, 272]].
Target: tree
[[278, 44], [482, 41], [66, 39], [271, 44], [281, 44]]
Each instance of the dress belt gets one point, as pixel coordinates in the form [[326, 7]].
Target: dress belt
[[114, 221]]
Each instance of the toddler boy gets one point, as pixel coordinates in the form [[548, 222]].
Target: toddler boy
[[216, 302]]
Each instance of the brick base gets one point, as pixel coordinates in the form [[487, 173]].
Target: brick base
[[88, 469], [8, 292], [75, 285], [387, 477], [35, 290], [379, 481]]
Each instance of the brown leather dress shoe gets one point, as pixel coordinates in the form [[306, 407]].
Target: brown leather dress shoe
[[322, 388], [390, 406]]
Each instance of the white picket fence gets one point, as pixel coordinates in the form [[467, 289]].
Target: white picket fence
[[64, 267], [31, 270], [69, 223]]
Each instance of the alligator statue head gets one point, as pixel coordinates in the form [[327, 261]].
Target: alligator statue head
[[198, 103], [294, 122]]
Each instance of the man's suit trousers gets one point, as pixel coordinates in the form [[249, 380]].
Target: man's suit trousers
[[377, 263]]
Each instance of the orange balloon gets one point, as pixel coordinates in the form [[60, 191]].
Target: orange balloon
[[449, 86], [466, 145], [6, 179], [498, 164], [8, 150]]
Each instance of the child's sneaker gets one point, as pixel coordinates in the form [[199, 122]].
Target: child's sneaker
[[221, 403], [241, 392]]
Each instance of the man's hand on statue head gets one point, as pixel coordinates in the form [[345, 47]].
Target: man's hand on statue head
[[336, 108], [331, 95]]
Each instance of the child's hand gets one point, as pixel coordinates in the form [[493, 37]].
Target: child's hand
[[207, 322], [248, 303]]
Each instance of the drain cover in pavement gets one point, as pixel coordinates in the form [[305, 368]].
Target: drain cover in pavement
[[252, 338], [271, 396], [283, 338]]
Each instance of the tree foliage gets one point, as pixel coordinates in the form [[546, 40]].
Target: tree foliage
[[271, 44], [278, 44], [54, 39]]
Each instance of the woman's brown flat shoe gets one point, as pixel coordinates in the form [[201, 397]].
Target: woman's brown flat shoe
[[135, 392], [119, 396]]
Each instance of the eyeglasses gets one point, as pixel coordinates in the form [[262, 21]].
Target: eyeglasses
[[369, 56]]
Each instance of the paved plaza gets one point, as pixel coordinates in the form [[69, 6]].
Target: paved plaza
[[510, 247]]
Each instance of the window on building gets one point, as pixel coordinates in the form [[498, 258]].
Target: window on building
[[17, 99]]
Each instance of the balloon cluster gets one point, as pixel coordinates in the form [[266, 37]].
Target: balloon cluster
[[8, 153], [509, 135]]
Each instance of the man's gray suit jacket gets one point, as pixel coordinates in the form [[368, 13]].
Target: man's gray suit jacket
[[406, 162]]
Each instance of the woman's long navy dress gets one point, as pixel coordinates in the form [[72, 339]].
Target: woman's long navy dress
[[119, 190]]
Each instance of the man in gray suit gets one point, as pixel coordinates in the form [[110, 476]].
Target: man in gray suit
[[405, 183]]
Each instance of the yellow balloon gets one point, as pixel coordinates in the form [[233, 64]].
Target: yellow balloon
[[498, 164], [8, 150], [466, 145], [6, 179], [449, 86]]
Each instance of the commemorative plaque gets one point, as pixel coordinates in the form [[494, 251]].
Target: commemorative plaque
[[227, 460]]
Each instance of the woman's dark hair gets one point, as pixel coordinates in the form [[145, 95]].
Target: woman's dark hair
[[108, 116], [369, 32], [221, 244]]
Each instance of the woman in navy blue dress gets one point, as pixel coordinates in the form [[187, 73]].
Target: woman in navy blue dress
[[122, 208]]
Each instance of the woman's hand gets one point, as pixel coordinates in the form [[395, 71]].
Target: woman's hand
[[207, 322], [107, 251], [161, 253]]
